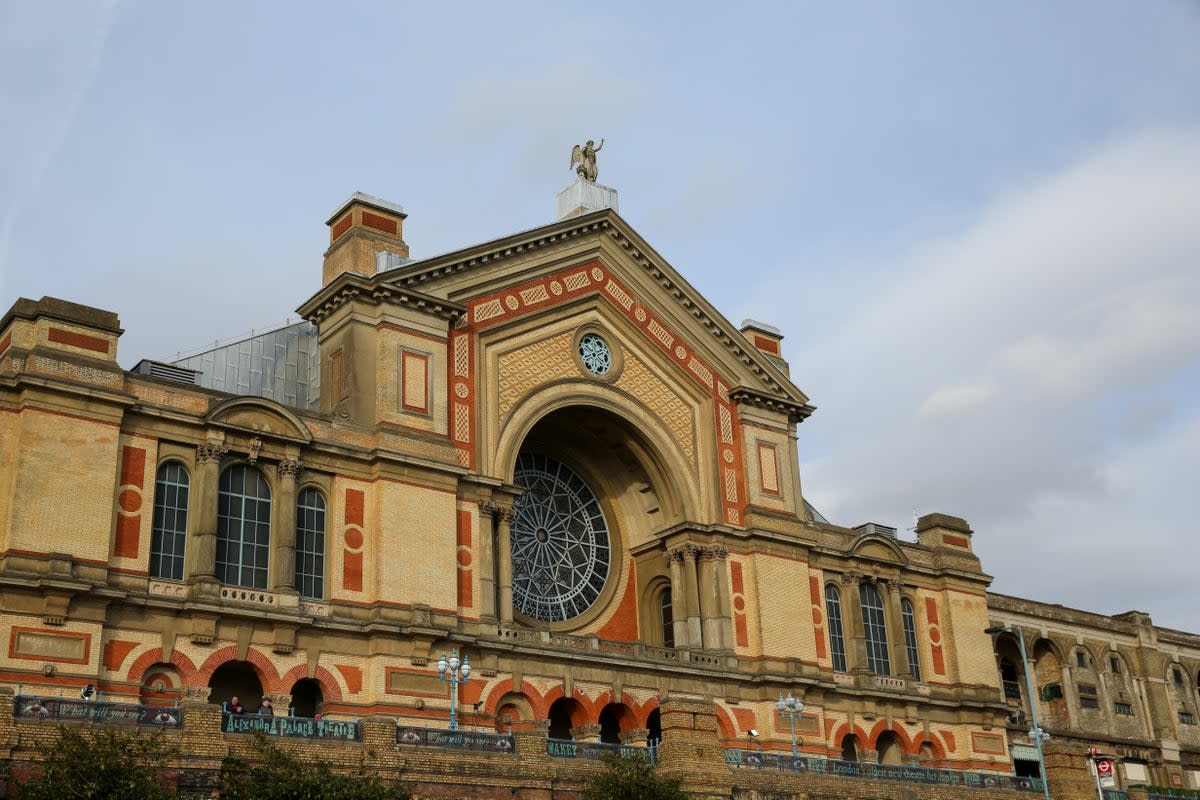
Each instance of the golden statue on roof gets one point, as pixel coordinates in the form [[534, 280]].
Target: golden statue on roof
[[585, 157]]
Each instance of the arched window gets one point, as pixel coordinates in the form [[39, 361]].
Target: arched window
[[910, 638], [243, 527], [310, 544], [666, 617], [833, 614], [876, 629], [169, 534]]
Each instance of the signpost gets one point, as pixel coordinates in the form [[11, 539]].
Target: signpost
[[1104, 771]]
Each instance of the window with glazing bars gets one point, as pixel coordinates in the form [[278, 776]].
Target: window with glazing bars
[[910, 638], [243, 528], [876, 629], [666, 617], [310, 544], [169, 533], [833, 614]]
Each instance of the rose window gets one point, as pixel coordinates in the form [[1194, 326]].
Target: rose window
[[560, 547], [594, 353]]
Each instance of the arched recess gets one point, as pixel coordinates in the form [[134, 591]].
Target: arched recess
[[237, 679], [658, 611], [882, 732], [929, 748], [161, 685], [187, 670], [889, 748], [614, 719], [512, 710], [268, 676], [1048, 661], [565, 714], [634, 491], [605, 417], [331, 689], [850, 745]]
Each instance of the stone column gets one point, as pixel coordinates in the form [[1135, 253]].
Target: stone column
[[504, 515], [896, 643], [724, 604], [695, 637], [485, 532], [201, 558], [678, 598], [852, 623], [710, 621], [283, 532]]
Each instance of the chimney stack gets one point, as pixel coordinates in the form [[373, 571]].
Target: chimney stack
[[360, 228], [766, 339]]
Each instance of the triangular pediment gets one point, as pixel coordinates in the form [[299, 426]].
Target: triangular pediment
[[601, 254]]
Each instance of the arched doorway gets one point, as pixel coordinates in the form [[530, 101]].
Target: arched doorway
[[888, 747], [563, 713], [236, 679], [613, 719], [849, 747], [307, 698], [654, 726]]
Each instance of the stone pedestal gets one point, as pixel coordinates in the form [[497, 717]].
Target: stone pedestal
[[582, 197]]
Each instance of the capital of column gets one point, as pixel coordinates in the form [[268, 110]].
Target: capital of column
[[894, 587], [853, 577], [289, 468], [492, 507], [690, 551], [716, 552], [210, 452]]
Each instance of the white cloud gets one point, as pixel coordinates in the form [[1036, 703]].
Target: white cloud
[[1024, 373]]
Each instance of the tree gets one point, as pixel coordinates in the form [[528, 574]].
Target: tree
[[630, 776], [101, 764], [277, 775]]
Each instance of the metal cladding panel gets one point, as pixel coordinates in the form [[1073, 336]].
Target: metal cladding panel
[[282, 365]]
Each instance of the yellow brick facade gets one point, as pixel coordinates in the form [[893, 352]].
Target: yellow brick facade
[[452, 373]]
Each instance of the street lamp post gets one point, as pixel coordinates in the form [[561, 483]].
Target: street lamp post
[[1035, 732], [791, 708], [456, 672]]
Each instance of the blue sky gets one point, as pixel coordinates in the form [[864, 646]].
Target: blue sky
[[976, 224]]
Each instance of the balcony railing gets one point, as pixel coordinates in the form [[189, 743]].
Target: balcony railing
[[62, 709], [296, 727], [856, 769]]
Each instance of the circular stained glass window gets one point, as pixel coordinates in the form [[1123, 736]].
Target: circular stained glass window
[[560, 547], [594, 353]]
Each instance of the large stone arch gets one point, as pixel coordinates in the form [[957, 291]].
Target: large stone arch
[[672, 478]]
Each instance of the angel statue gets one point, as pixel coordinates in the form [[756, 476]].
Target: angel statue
[[585, 157]]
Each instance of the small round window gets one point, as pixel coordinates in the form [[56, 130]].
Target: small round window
[[594, 353]]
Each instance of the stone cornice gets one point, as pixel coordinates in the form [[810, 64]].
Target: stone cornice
[[350, 286], [796, 412]]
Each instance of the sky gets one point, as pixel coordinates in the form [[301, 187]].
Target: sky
[[977, 225]]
